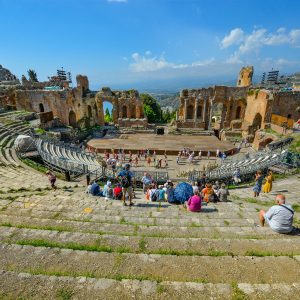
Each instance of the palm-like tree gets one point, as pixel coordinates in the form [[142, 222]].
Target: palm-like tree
[[32, 75]]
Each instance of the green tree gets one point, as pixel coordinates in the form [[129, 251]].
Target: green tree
[[151, 108], [32, 75], [107, 116], [168, 116]]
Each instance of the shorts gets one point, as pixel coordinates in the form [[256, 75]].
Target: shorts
[[128, 190]]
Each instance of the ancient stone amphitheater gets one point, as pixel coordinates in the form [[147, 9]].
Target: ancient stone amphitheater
[[64, 244]]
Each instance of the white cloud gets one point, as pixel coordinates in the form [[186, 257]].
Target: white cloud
[[118, 1], [202, 63], [235, 37], [234, 59], [257, 39], [149, 64], [295, 36]]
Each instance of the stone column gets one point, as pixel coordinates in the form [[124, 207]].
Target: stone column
[[204, 110], [196, 109], [185, 109]]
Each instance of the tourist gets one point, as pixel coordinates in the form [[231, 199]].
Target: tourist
[[216, 187], [126, 183], [159, 162], [146, 180], [136, 161], [118, 192], [178, 159], [154, 156], [166, 163], [190, 159], [95, 189], [149, 161], [161, 193], [279, 217], [269, 182], [200, 154], [223, 193], [208, 193], [237, 176], [223, 156], [195, 186], [194, 202], [154, 193], [108, 190], [208, 154], [170, 193], [88, 189], [203, 179], [217, 153], [52, 179], [258, 183]]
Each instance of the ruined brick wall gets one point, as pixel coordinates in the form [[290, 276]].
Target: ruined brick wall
[[258, 110], [126, 104], [286, 105], [197, 106]]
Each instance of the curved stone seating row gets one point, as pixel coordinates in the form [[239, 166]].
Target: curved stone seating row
[[248, 166], [66, 158]]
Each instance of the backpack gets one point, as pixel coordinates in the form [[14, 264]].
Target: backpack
[[126, 180], [155, 196]]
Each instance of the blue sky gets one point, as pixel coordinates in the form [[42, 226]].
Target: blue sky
[[149, 43]]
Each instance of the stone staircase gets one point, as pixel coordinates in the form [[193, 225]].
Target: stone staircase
[[64, 244]]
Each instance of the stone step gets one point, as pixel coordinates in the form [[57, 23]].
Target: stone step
[[15, 285], [56, 223], [226, 269], [155, 245], [17, 208], [100, 208]]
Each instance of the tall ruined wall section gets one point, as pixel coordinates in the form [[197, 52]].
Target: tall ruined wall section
[[245, 76], [197, 106]]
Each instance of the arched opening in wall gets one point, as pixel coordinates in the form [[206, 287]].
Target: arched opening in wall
[[190, 112], [132, 112], [124, 112], [199, 112], [238, 112], [108, 112], [264, 143], [218, 112], [89, 111], [41, 107], [257, 122], [72, 119]]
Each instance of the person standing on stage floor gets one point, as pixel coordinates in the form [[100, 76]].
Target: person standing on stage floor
[[200, 154], [154, 156], [148, 160], [177, 160], [217, 153], [208, 154], [166, 162]]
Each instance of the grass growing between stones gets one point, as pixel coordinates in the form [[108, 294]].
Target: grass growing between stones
[[296, 207], [237, 293], [64, 294]]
